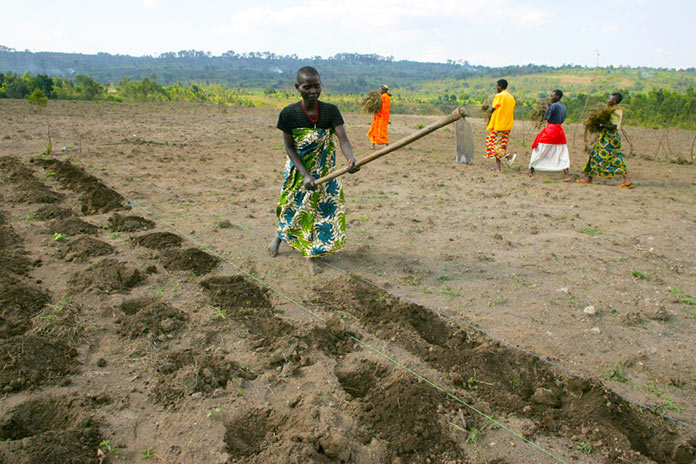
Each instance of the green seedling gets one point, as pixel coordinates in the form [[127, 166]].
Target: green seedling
[[471, 383], [147, 454], [50, 174], [682, 297], [58, 237], [668, 405], [109, 449], [616, 373], [214, 411], [585, 447], [219, 313], [639, 275]]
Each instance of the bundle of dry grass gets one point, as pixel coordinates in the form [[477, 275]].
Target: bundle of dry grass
[[487, 111], [538, 115], [372, 103], [597, 117]]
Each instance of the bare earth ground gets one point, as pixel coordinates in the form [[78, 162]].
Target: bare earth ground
[[192, 345]]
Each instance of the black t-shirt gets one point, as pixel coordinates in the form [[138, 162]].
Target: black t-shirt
[[294, 117]]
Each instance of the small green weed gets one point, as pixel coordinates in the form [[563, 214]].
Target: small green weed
[[58, 237], [585, 447], [590, 230], [109, 449], [616, 373], [219, 312], [639, 275], [668, 405], [682, 297], [213, 411], [147, 454]]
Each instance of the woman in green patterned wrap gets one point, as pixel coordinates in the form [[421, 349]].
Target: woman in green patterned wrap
[[311, 218], [606, 159]]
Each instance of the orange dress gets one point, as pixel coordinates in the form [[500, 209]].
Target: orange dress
[[378, 129]]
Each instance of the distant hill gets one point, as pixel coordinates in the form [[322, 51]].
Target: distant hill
[[345, 73], [654, 97]]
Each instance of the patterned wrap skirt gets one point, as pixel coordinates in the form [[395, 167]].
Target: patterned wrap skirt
[[606, 159], [496, 143], [312, 222]]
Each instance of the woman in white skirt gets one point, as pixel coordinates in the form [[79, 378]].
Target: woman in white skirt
[[550, 147]]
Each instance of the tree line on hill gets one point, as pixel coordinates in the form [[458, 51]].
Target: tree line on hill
[[666, 97]]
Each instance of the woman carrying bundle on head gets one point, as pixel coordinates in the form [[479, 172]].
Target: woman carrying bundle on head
[[378, 132], [606, 158], [550, 147]]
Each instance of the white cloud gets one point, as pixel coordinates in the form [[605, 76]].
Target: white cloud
[[151, 3], [426, 30]]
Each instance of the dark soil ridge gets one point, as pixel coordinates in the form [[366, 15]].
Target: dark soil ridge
[[19, 302], [513, 382], [95, 196], [12, 254], [119, 223], [26, 187], [244, 301], [31, 361], [83, 248], [72, 226], [48, 212], [185, 372], [191, 259], [158, 240], [107, 275], [150, 316]]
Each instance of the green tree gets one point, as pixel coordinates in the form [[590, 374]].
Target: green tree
[[38, 101]]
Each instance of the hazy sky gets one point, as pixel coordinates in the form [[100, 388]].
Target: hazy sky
[[488, 32]]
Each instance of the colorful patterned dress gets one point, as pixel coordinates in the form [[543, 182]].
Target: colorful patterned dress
[[500, 125], [312, 222], [606, 159]]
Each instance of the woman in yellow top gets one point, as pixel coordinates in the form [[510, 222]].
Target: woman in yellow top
[[500, 125], [380, 123], [606, 159]]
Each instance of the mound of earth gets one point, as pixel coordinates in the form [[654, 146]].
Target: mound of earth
[[72, 226], [191, 259], [108, 275], [25, 187], [83, 248], [146, 317], [18, 304], [119, 223], [52, 212], [39, 415], [159, 240], [235, 292], [12, 255], [95, 197], [185, 372], [71, 446], [32, 361]]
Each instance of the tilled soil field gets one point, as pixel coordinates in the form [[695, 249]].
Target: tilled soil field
[[472, 317]]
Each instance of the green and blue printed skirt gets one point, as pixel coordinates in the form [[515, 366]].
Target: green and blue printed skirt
[[312, 222], [606, 159]]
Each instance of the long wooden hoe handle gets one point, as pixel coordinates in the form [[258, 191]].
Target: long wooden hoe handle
[[449, 119]]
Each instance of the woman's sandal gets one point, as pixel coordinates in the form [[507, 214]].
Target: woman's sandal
[[583, 181], [627, 185]]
